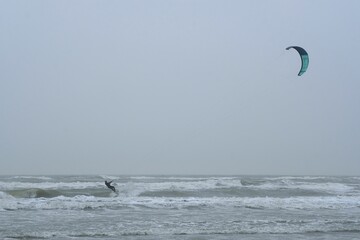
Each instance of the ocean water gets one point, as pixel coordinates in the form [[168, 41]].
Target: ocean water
[[180, 207]]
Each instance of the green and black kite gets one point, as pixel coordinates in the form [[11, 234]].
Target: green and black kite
[[304, 58]]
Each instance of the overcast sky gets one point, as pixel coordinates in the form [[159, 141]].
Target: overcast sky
[[179, 87]]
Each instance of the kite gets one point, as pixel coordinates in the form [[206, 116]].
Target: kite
[[304, 58]]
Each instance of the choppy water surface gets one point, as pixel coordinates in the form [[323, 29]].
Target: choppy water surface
[[180, 207]]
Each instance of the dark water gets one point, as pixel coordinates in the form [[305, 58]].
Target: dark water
[[180, 207]]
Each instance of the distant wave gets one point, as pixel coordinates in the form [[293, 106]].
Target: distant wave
[[49, 185], [34, 193], [109, 177], [32, 177], [315, 185], [195, 186], [249, 192], [166, 193]]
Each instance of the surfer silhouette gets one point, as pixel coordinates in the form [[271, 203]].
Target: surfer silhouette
[[109, 186]]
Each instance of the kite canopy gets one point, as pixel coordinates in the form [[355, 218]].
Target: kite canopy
[[304, 58]]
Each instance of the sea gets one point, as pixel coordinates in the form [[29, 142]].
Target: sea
[[180, 207]]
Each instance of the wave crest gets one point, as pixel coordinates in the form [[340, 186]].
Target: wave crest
[[34, 193]]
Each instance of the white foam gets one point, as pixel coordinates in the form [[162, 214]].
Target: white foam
[[136, 188], [109, 177], [211, 183], [329, 187], [90, 202], [48, 185], [32, 177], [297, 178]]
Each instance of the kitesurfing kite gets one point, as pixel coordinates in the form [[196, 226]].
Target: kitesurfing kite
[[304, 58]]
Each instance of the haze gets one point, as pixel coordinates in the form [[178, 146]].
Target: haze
[[179, 87]]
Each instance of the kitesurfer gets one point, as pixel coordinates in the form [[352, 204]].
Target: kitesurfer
[[109, 186]]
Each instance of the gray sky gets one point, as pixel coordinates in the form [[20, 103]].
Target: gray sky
[[179, 87]]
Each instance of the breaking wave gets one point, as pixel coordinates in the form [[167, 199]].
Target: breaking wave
[[182, 192], [82, 202], [34, 193]]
